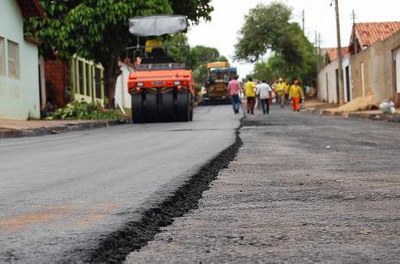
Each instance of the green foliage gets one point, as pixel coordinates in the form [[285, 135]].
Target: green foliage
[[262, 71], [86, 111], [178, 48], [267, 28], [98, 29], [202, 55], [264, 28], [193, 9]]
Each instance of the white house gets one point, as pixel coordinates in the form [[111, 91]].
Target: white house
[[19, 62], [328, 77]]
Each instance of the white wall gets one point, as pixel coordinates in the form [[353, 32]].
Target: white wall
[[19, 98], [327, 86], [121, 88]]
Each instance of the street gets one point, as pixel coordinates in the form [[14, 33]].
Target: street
[[65, 192], [302, 188]]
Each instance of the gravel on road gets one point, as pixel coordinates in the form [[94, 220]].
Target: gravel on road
[[302, 189]]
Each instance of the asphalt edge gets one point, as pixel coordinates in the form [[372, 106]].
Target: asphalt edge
[[42, 131], [135, 234]]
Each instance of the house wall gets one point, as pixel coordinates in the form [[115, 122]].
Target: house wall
[[379, 70], [360, 73], [123, 98], [19, 97], [56, 81], [327, 81], [391, 45]]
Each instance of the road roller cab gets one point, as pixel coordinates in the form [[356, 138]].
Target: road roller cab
[[161, 88]]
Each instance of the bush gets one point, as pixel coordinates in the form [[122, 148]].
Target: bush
[[87, 111]]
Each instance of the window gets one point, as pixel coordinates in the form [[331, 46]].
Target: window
[[13, 60], [2, 57]]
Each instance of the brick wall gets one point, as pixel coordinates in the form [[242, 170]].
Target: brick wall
[[56, 81]]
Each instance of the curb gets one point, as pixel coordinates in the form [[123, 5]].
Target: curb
[[33, 132], [377, 117]]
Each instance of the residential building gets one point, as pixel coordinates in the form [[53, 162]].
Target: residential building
[[19, 62], [371, 65], [375, 60]]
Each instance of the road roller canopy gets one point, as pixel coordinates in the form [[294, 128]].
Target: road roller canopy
[[157, 25]]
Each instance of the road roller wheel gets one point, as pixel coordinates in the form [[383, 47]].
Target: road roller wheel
[[137, 108], [183, 107], [167, 113], [150, 107]]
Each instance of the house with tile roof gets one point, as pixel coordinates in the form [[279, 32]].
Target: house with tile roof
[[365, 34], [331, 54], [370, 64], [19, 61], [375, 60]]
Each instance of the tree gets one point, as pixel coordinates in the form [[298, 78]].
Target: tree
[[262, 71], [263, 29], [193, 9], [178, 48], [267, 28], [98, 29]]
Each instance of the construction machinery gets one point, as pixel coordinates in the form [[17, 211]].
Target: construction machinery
[[161, 89], [219, 73]]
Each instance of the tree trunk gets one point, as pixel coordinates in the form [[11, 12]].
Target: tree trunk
[[112, 71]]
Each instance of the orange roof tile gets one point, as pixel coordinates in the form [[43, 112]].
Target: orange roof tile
[[332, 53], [369, 33]]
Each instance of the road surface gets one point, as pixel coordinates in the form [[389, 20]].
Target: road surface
[[64, 192]]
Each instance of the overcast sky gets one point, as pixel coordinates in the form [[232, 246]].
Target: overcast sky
[[319, 17]]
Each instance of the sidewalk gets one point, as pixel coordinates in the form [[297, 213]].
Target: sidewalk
[[26, 128], [326, 109]]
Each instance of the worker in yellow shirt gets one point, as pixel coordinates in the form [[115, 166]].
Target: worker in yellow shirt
[[287, 87], [280, 90], [295, 94], [153, 43], [250, 93]]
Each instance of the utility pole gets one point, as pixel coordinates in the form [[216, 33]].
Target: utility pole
[[339, 52], [354, 33], [303, 19]]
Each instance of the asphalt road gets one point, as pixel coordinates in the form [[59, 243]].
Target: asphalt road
[[61, 194], [291, 188]]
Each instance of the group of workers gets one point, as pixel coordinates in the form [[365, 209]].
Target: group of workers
[[264, 92], [285, 92]]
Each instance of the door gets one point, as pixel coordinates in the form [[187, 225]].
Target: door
[[347, 82]]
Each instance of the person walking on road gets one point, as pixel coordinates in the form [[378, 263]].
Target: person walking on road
[[296, 94], [234, 90], [280, 90], [250, 93], [264, 92]]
